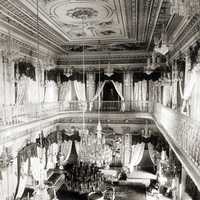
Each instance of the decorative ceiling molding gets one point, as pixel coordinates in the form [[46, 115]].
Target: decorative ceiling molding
[[158, 4], [22, 19], [88, 19], [188, 35]]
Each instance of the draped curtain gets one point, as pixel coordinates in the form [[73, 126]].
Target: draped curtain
[[52, 155], [98, 92], [152, 153], [77, 145], [137, 152], [167, 91], [174, 94], [118, 87], [192, 93], [80, 93], [21, 91], [66, 148], [140, 93], [23, 178], [26, 87], [8, 181], [65, 93], [51, 92], [38, 166]]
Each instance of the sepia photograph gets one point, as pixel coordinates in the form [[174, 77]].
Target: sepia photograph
[[99, 99]]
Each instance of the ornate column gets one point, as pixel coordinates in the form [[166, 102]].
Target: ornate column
[[128, 88], [90, 83]]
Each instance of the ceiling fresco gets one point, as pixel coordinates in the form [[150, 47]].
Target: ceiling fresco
[[89, 19]]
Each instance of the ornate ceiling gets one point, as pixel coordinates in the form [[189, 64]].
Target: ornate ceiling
[[89, 19], [106, 27]]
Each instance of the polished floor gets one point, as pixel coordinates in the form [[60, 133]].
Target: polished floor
[[122, 193]]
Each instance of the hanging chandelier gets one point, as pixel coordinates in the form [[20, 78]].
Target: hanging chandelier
[[40, 189], [99, 128], [151, 66], [68, 72], [109, 71]]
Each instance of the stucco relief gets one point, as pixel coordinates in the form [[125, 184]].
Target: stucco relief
[[89, 19]]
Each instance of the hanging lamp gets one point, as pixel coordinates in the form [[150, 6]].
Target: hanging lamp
[[99, 126], [41, 189]]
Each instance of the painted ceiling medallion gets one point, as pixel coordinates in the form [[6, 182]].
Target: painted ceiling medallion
[[102, 19], [82, 13]]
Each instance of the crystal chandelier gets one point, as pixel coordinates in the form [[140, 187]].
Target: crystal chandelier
[[151, 66], [109, 70], [68, 72]]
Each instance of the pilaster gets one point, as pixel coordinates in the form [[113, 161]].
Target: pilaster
[[128, 88]]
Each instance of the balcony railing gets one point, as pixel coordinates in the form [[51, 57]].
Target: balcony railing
[[183, 135], [19, 114]]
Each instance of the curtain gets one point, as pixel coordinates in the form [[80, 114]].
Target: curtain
[[8, 183], [52, 156], [32, 88], [51, 92], [118, 88], [80, 93], [137, 152], [35, 168], [191, 94], [152, 153], [140, 93], [37, 165], [195, 96], [23, 178], [66, 148], [21, 91], [98, 92], [65, 93], [167, 94], [77, 145]]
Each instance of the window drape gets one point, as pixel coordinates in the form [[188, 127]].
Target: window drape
[[23, 179], [8, 181], [98, 92], [52, 156], [51, 92], [118, 88], [66, 148], [80, 93], [192, 93], [21, 91], [137, 152], [152, 153], [140, 93], [167, 94]]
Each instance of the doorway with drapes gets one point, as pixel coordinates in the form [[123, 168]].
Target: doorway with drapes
[[109, 93]]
